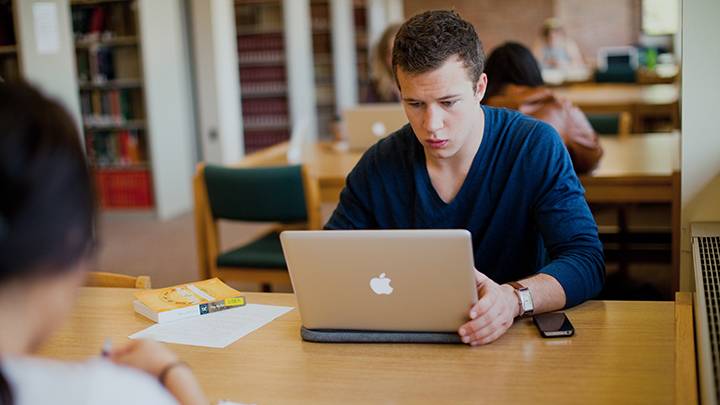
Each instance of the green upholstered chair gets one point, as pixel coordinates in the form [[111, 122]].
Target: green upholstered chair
[[283, 194], [611, 123]]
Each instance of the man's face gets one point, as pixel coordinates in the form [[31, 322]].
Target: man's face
[[443, 107]]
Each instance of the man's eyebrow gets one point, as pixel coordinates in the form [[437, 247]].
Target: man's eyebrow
[[443, 98], [449, 97]]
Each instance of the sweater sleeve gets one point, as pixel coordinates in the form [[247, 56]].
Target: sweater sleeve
[[564, 219], [353, 211]]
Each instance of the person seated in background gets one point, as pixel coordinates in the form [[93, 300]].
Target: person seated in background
[[555, 50], [458, 164], [47, 242], [383, 88], [514, 81]]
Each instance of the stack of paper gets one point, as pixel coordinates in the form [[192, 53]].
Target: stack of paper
[[217, 329]]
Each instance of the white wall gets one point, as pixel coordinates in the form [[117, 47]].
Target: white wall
[[299, 66], [169, 101], [343, 49], [217, 82], [54, 72], [395, 11], [377, 20], [700, 150]]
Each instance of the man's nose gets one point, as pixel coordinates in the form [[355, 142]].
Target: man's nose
[[433, 118]]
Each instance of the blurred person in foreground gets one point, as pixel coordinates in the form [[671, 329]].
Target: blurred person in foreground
[[47, 244]]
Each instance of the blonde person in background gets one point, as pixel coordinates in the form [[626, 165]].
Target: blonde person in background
[[555, 49], [47, 228], [383, 87]]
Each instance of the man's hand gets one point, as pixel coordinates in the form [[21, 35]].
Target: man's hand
[[492, 315]]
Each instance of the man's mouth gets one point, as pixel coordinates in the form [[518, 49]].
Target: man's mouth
[[437, 143]]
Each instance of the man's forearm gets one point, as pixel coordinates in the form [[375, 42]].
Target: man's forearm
[[547, 293]]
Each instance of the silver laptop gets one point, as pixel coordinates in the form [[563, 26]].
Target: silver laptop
[[382, 280], [365, 124], [705, 238]]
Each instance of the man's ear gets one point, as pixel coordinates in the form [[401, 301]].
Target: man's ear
[[481, 86]]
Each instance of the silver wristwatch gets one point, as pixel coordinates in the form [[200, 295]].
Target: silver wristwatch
[[525, 298]]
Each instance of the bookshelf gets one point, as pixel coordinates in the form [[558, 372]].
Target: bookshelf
[[9, 65], [112, 101], [263, 82], [322, 56], [322, 50], [361, 48]]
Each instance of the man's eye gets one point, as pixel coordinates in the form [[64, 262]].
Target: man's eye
[[449, 103]]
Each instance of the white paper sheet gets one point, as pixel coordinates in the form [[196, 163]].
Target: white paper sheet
[[217, 330], [47, 30]]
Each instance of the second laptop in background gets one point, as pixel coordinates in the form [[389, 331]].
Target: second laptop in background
[[365, 124]]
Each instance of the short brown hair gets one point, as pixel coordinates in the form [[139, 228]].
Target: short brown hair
[[428, 39]]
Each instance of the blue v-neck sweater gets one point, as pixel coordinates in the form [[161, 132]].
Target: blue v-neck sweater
[[521, 201]]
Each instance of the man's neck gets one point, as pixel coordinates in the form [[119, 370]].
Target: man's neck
[[448, 175]]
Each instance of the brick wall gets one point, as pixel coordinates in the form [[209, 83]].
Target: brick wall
[[597, 23], [592, 23]]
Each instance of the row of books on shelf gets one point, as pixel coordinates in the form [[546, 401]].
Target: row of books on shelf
[[265, 121], [267, 56], [259, 16], [101, 64], [113, 18], [253, 42], [262, 73], [260, 139], [110, 106], [118, 148], [263, 88], [263, 106], [129, 187]]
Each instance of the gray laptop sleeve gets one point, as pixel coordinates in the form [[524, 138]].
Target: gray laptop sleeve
[[362, 336]]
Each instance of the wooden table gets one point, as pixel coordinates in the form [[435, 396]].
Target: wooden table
[[623, 352], [640, 100], [640, 168], [637, 167]]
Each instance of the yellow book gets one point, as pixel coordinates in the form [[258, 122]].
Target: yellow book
[[187, 300]]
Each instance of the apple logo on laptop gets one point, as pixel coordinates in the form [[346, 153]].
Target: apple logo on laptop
[[381, 285]]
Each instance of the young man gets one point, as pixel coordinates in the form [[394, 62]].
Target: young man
[[503, 176]]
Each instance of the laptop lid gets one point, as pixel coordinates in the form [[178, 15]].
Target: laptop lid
[[365, 124], [382, 280]]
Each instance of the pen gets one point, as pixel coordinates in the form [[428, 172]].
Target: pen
[[106, 347]]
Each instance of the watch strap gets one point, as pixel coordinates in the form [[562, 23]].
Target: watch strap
[[516, 285]]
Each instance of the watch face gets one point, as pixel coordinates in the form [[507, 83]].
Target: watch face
[[526, 300]]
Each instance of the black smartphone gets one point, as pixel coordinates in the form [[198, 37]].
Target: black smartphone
[[554, 324]]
